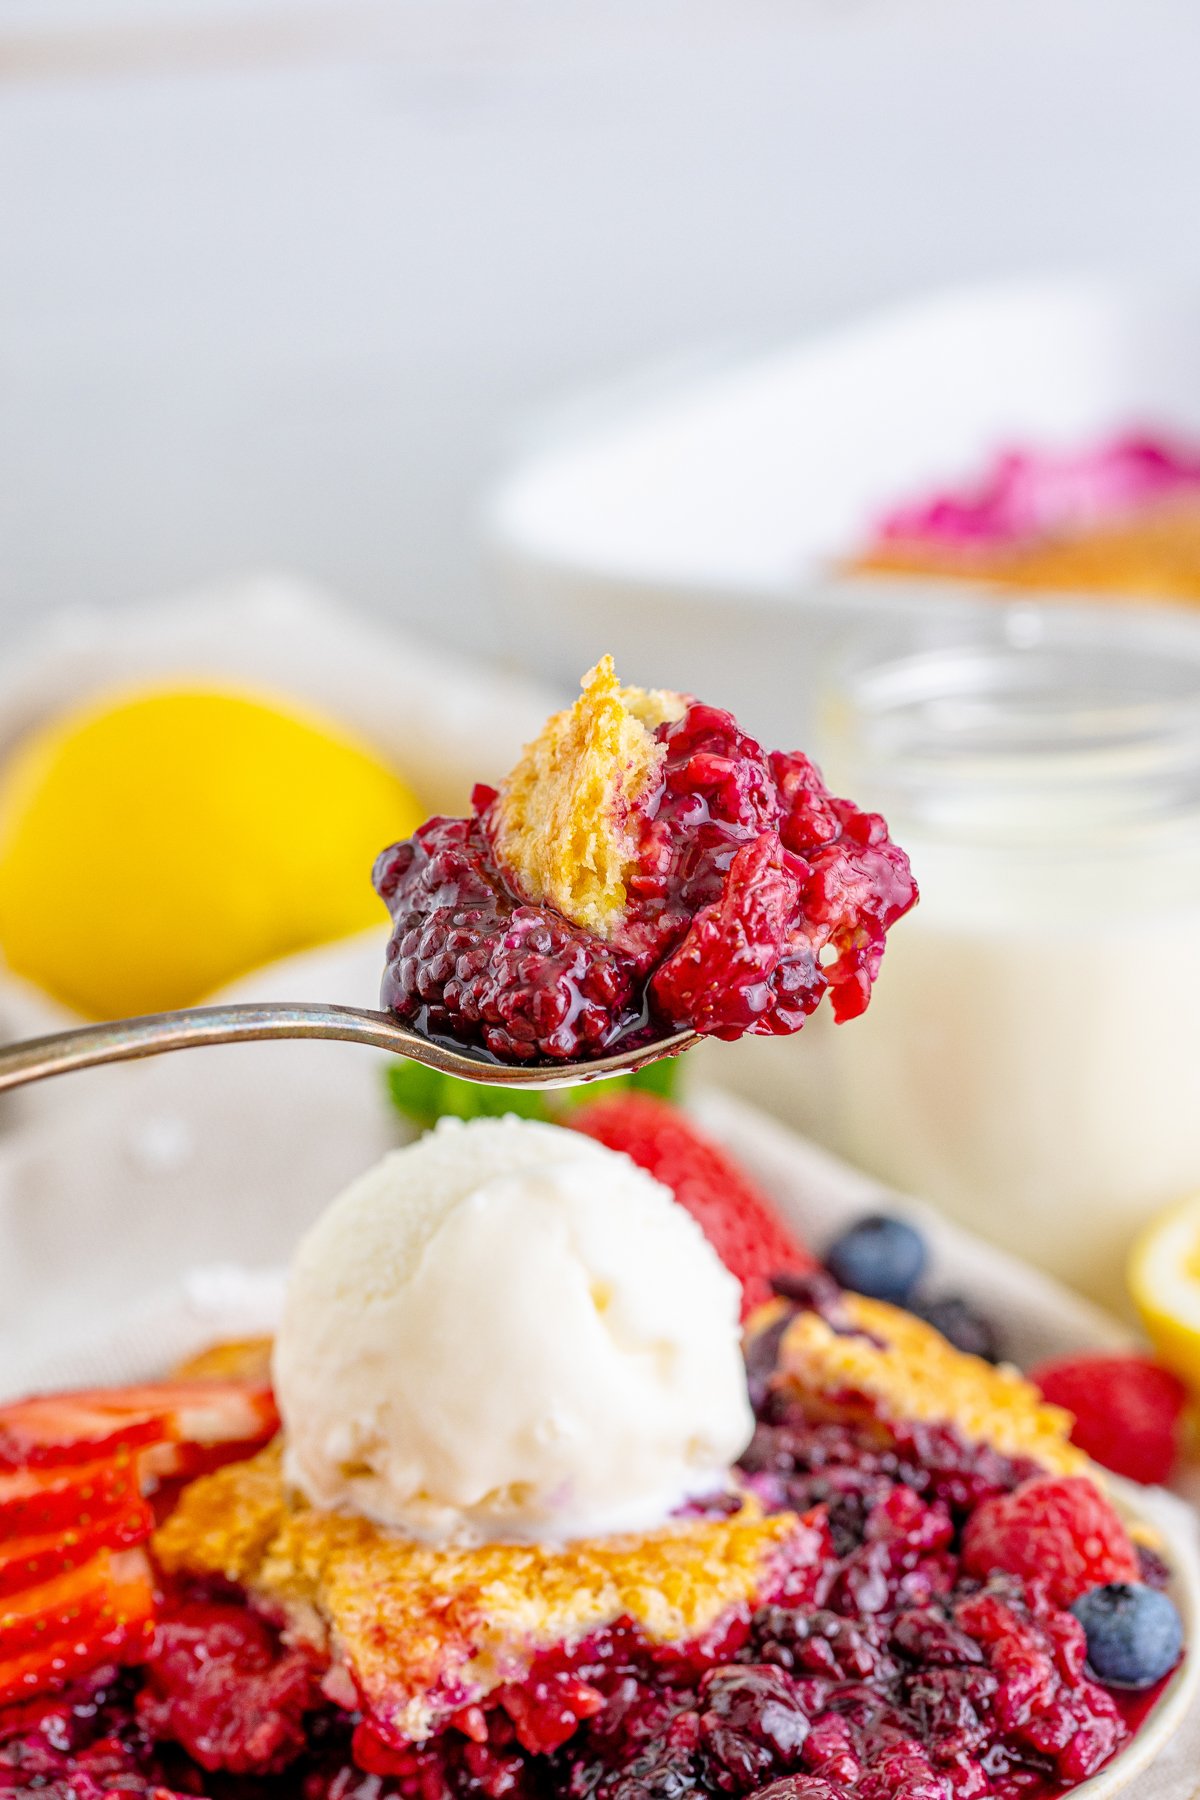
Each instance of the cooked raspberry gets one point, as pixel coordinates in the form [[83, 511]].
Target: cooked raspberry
[[739, 1221], [901, 1557], [1060, 1530], [755, 891], [1128, 1410], [743, 964], [800, 1787], [822, 1642], [904, 1772], [1042, 1700], [84, 1744], [218, 1682], [752, 1726], [546, 1709]]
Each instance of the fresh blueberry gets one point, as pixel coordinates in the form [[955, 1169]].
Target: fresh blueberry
[[1134, 1634], [880, 1256], [960, 1325]]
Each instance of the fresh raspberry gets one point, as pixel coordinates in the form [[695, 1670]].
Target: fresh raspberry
[[738, 1221], [1058, 1528], [1128, 1410]]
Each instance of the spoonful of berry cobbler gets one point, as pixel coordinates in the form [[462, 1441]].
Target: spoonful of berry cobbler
[[646, 875]]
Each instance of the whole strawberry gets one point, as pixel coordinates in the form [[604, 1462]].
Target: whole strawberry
[[1128, 1410], [1057, 1528], [739, 1221]]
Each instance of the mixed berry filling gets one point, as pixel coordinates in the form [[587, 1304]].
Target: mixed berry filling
[[886, 1672], [754, 892]]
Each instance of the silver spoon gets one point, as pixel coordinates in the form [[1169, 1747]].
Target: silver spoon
[[122, 1040]]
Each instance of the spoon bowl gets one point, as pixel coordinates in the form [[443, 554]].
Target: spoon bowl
[[125, 1040]]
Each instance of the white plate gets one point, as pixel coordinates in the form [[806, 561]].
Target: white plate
[[818, 1194], [233, 1302], [697, 536]]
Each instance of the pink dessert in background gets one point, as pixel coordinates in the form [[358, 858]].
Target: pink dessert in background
[[1121, 516], [1034, 493]]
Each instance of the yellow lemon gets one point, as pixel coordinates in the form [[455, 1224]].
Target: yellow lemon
[[159, 844], [1164, 1279]]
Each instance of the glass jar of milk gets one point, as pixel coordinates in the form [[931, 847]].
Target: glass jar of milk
[[1030, 1060]]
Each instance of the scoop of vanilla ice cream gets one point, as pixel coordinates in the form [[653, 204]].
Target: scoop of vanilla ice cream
[[507, 1331]]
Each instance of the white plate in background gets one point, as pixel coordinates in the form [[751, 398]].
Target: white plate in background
[[698, 535]]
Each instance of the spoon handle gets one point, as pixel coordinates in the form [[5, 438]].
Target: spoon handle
[[123, 1040]]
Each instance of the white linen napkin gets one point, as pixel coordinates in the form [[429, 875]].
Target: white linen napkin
[[118, 1180]]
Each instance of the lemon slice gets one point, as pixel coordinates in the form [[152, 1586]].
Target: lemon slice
[[157, 845], [1164, 1280]]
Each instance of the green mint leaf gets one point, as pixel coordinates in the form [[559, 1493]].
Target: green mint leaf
[[424, 1095]]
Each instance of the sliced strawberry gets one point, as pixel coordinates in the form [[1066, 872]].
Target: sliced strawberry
[[209, 1421], [85, 1604], [26, 1562], [51, 1429], [201, 1412], [739, 1221], [166, 1465], [41, 1672], [70, 1605], [97, 1613], [36, 1501], [73, 1469]]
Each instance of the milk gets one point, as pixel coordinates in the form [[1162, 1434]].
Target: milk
[[1036, 1074]]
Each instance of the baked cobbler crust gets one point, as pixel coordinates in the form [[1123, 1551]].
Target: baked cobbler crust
[[233, 1359], [901, 1370], [425, 1630], [561, 823]]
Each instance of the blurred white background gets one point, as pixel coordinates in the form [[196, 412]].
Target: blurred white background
[[287, 285]]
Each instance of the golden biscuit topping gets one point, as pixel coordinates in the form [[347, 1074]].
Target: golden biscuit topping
[[1153, 556], [424, 1631], [562, 823], [901, 1370]]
